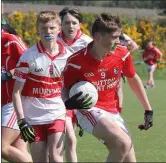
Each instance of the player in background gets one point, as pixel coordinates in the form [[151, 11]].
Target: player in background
[[37, 92], [73, 39], [151, 55], [105, 66], [14, 149], [132, 46], [126, 41]]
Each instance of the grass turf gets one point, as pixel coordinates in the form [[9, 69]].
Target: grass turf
[[149, 145]]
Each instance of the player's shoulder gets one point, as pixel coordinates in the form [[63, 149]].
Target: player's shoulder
[[122, 49], [6, 34], [122, 52], [86, 38], [65, 53], [77, 56], [127, 38], [8, 37], [156, 49], [29, 53]]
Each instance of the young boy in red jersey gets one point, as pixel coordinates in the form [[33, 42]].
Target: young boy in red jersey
[[151, 56], [13, 147], [106, 64]]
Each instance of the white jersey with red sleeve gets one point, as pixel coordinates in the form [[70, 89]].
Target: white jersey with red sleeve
[[41, 94], [81, 41], [105, 74], [12, 48], [127, 41]]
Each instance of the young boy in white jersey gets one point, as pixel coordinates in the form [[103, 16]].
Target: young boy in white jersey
[[126, 41], [37, 92], [74, 40], [103, 120]]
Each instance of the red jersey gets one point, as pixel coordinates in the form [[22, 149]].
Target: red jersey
[[150, 55], [12, 49], [105, 74]]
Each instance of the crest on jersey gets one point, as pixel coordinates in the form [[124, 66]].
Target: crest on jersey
[[51, 69], [116, 71]]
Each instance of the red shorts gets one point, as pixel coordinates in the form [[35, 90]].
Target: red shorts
[[72, 114], [43, 131]]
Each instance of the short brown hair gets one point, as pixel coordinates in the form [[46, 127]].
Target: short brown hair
[[106, 23], [73, 11], [45, 16], [146, 42]]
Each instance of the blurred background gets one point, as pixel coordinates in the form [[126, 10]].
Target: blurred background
[[141, 20]]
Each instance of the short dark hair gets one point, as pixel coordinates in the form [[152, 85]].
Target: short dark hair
[[149, 40], [146, 42], [122, 37], [73, 11], [105, 23]]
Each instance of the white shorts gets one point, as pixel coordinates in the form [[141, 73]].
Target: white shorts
[[9, 118], [151, 67], [89, 118]]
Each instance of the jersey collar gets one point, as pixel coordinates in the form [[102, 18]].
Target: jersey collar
[[88, 54], [69, 43], [41, 49]]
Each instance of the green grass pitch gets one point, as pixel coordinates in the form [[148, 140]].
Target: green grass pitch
[[150, 146]]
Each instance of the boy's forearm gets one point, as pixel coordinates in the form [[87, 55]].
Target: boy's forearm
[[134, 48], [137, 86], [120, 93], [17, 99], [18, 105]]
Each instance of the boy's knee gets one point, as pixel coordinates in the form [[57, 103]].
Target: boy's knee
[[5, 150], [55, 158], [121, 144], [71, 143], [125, 146]]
